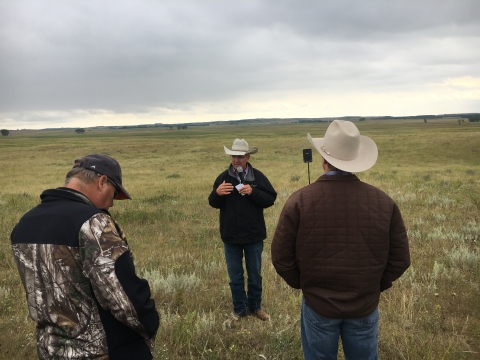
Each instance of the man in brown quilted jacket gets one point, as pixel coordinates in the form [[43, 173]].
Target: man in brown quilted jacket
[[342, 242]]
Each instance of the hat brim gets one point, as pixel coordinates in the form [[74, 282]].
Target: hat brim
[[252, 150], [366, 158], [122, 194]]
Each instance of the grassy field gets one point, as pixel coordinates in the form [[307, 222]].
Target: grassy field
[[431, 170]]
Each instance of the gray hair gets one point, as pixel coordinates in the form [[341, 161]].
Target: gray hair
[[84, 175]]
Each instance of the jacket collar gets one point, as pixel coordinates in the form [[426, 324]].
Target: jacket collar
[[250, 176], [350, 177], [68, 194]]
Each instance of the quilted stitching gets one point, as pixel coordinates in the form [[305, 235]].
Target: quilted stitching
[[335, 235]]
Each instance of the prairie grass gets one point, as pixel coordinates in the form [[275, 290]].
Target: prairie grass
[[431, 170]]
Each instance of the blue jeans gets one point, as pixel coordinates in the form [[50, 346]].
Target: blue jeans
[[252, 299], [320, 336]]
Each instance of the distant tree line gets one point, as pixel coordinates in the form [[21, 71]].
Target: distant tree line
[[80, 131], [5, 132], [311, 120], [475, 118]]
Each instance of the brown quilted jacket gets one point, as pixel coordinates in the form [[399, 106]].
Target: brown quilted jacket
[[342, 242]]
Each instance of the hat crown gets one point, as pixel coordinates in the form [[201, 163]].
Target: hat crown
[[102, 164], [342, 140], [240, 145], [344, 147]]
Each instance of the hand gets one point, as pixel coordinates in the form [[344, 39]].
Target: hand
[[246, 190], [224, 188]]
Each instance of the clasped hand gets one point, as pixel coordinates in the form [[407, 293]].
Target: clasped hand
[[226, 188]]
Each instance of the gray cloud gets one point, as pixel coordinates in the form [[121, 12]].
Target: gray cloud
[[133, 56]]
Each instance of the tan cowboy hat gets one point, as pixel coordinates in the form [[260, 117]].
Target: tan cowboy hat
[[345, 148], [240, 147]]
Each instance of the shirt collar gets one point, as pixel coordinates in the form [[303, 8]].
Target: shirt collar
[[337, 172]]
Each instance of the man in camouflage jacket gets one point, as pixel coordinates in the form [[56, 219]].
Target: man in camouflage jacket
[[78, 272]]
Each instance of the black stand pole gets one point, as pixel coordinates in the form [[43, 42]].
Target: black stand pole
[[308, 165]]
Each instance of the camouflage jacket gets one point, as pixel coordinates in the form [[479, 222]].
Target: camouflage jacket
[[80, 282]]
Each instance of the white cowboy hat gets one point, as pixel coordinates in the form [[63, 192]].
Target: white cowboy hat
[[240, 147], [345, 148]]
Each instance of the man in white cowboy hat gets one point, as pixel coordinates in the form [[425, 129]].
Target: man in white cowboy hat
[[342, 242], [241, 193]]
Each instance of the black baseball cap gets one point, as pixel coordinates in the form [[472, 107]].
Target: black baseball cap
[[104, 165]]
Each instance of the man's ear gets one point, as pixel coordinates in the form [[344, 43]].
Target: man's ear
[[102, 180], [325, 165]]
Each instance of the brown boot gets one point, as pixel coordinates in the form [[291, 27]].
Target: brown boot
[[261, 314]]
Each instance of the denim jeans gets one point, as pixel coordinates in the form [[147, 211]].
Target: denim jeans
[[252, 299], [320, 336]]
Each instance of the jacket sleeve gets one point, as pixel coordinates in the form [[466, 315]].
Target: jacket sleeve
[[264, 195], [283, 247], [108, 264], [398, 254], [216, 201]]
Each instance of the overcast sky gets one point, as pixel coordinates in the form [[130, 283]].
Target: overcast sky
[[83, 63]]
